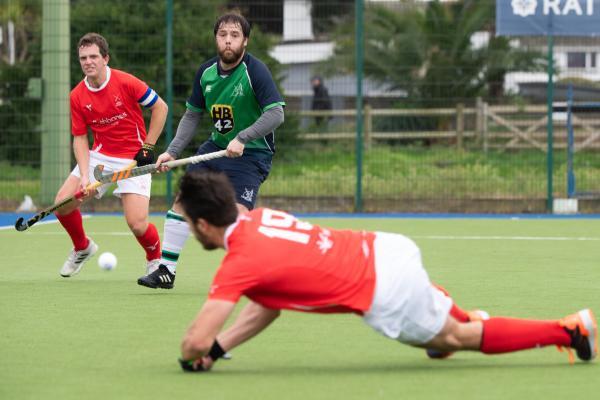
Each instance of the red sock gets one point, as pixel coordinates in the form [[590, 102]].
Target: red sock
[[73, 224], [150, 241], [458, 313], [503, 335]]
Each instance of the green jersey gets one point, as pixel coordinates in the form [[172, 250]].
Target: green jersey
[[235, 99]]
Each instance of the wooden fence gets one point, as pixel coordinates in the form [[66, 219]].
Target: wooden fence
[[485, 126]]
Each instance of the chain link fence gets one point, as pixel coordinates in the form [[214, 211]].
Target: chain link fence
[[454, 118]]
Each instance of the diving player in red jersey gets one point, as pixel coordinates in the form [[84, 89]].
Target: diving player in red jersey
[[107, 102], [279, 262]]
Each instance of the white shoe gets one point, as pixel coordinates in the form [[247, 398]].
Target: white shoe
[[152, 265], [76, 259]]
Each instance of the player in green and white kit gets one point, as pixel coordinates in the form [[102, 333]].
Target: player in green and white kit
[[238, 92]]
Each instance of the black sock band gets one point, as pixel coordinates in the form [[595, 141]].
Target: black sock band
[[216, 351]]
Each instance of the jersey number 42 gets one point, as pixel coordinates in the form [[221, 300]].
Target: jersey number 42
[[222, 116]]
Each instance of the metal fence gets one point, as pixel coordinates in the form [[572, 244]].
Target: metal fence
[[453, 118]]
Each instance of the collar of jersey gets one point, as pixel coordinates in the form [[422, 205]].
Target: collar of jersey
[[228, 232], [93, 89]]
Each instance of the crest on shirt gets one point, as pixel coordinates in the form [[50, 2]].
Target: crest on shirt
[[325, 243], [118, 102], [238, 90], [89, 107], [248, 195]]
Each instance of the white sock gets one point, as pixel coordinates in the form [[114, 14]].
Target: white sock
[[176, 232]]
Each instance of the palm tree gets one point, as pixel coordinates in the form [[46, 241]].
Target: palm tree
[[428, 51]]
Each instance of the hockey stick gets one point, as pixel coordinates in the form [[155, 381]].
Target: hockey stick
[[20, 226], [151, 168]]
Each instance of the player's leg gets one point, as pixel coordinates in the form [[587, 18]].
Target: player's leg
[[70, 218], [504, 335], [135, 208], [459, 315], [135, 197], [406, 307]]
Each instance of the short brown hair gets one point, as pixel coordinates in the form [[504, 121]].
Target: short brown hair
[[94, 38], [235, 18], [208, 195]]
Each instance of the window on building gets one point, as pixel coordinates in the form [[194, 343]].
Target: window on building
[[593, 59], [576, 60]]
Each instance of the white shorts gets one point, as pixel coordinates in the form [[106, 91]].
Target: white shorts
[[406, 306], [138, 184]]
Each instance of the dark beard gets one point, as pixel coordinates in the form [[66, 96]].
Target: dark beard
[[232, 57]]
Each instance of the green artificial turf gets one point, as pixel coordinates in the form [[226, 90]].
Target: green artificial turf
[[101, 336]]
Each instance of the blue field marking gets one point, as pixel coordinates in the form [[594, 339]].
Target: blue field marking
[[8, 220]]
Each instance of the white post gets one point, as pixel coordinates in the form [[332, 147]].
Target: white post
[[297, 21]]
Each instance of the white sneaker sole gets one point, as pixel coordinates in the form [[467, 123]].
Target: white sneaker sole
[[93, 251], [590, 325]]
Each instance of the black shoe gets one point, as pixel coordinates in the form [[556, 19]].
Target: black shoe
[[161, 278]]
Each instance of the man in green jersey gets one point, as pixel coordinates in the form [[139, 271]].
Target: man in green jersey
[[237, 91]]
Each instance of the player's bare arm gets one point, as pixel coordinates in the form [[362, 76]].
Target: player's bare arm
[[145, 155], [252, 320], [157, 120], [201, 334]]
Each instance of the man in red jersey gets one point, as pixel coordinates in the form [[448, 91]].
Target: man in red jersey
[[279, 262], [107, 101]]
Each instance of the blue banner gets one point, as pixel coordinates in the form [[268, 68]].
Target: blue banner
[[548, 17]]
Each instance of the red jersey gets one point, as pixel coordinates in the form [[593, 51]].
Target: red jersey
[[113, 113], [283, 263]]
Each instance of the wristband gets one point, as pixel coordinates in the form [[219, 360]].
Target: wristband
[[216, 351]]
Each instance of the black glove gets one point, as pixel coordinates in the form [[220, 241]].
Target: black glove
[[145, 155], [188, 366]]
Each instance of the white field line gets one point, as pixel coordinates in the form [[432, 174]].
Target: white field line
[[430, 237], [540, 238]]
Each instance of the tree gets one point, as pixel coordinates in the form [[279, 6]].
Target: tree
[[427, 51], [19, 116]]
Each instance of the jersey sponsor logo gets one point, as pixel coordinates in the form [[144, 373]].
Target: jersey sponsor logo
[[89, 107], [110, 120], [248, 194], [238, 90], [222, 116]]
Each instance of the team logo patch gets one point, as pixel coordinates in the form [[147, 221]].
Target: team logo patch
[[89, 107], [524, 8], [238, 90], [118, 102], [248, 195], [222, 116]]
